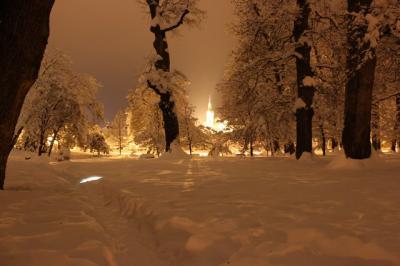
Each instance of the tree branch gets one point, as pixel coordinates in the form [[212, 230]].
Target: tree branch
[[180, 21], [154, 88], [387, 97], [333, 22]]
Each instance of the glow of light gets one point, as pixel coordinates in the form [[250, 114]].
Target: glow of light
[[90, 179]]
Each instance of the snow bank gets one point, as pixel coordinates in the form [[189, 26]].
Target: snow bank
[[340, 162], [299, 104], [176, 153]]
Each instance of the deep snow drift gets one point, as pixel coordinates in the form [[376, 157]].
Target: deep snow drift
[[225, 211]]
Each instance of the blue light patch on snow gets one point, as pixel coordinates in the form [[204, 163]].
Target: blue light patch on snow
[[90, 179]]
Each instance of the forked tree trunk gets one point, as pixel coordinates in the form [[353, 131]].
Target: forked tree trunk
[[361, 63], [24, 30], [166, 104], [305, 114]]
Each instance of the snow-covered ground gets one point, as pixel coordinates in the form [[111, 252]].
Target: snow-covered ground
[[230, 211]]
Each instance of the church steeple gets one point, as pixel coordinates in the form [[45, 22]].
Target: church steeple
[[210, 121]]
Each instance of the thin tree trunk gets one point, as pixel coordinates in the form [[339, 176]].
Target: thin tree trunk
[[376, 142], [322, 131], [120, 147], [394, 145], [24, 30], [361, 63], [42, 144], [334, 143], [305, 92], [276, 146], [396, 139], [55, 134], [166, 104], [251, 148]]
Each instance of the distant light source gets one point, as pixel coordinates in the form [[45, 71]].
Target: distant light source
[[90, 179]]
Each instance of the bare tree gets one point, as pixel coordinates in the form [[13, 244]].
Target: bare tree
[[119, 129]]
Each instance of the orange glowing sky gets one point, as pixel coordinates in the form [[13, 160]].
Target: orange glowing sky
[[110, 40]]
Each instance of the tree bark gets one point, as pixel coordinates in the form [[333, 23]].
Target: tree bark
[[276, 145], [361, 63], [42, 144], [323, 146], [335, 143], [376, 141], [304, 115], [251, 148], [290, 148], [24, 30], [166, 104], [396, 139], [190, 143]]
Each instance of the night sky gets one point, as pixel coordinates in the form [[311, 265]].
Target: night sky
[[110, 40]]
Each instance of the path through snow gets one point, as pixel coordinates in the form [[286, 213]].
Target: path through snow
[[229, 211]]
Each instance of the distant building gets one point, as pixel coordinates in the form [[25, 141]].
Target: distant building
[[210, 116]]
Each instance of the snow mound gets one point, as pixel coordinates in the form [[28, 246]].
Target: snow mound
[[341, 162], [308, 157], [176, 153]]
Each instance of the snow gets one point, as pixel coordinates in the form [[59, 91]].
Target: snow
[[260, 211], [373, 34], [176, 153], [298, 104], [310, 82]]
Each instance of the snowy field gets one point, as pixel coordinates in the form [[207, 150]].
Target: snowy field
[[231, 211]]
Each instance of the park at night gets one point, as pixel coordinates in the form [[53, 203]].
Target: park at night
[[200, 133]]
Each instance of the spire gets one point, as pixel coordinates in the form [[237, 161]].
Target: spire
[[209, 104]]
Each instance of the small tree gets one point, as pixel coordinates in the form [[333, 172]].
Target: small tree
[[97, 143], [191, 134], [119, 129]]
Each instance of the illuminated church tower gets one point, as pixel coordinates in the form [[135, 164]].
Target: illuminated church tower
[[210, 122]]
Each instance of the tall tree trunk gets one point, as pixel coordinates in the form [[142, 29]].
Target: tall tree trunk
[[305, 92], [396, 139], [42, 144], [394, 145], [166, 104], [190, 147], [276, 145], [24, 30], [251, 148], [323, 146], [376, 141], [335, 143], [361, 63]]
